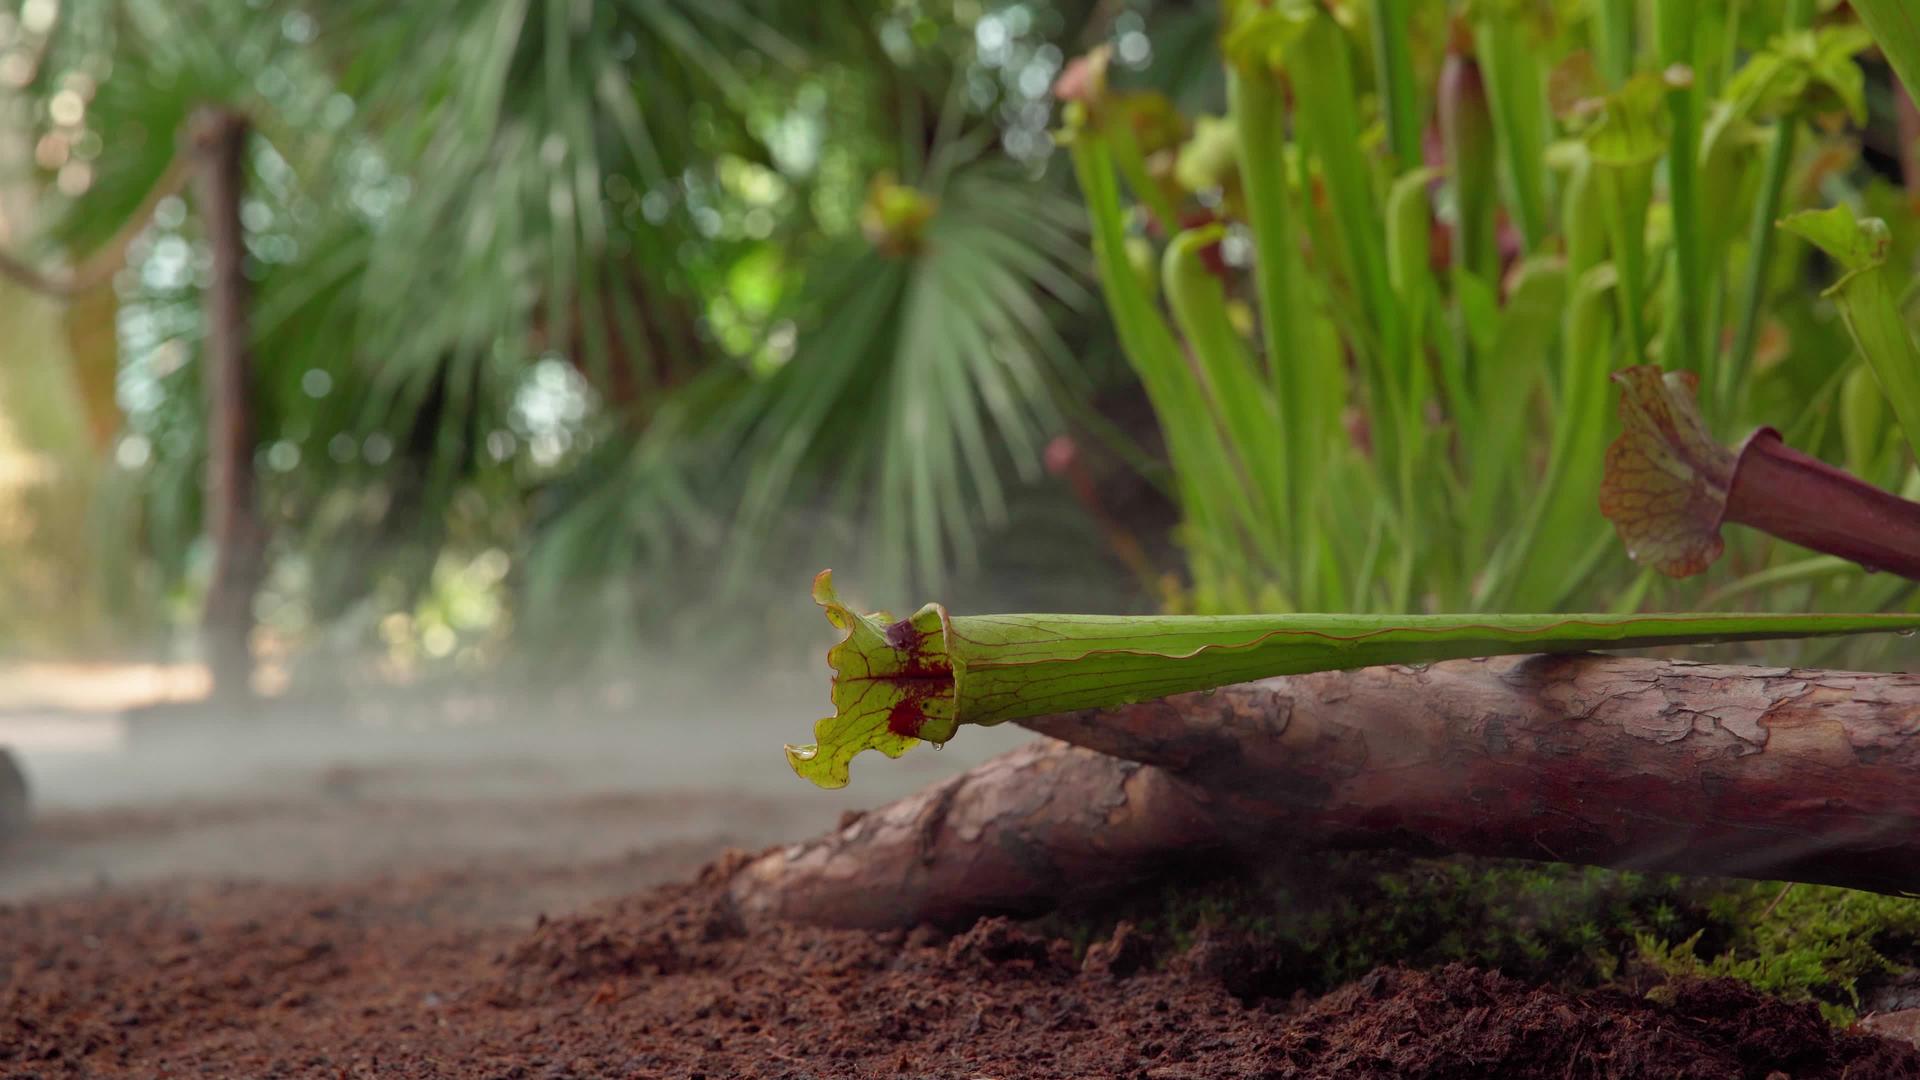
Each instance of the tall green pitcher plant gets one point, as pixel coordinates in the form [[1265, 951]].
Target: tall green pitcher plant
[[1376, 304]]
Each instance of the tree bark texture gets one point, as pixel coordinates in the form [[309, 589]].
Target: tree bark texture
[[1771, 773], [1036, 826], [219, 140]]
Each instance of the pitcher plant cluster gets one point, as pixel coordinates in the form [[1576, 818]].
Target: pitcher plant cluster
[[1377, 303]]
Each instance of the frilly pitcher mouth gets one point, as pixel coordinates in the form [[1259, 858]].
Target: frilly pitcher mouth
[[893, 686]]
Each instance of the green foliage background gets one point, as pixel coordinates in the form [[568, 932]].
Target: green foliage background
[[583, 306]]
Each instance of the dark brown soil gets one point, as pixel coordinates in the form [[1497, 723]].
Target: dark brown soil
[[393, 978]]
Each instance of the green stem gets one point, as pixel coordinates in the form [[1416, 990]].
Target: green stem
[[920, 678], [1471, 147], [1753, 287], [1133, 166], [1867, 305], [1299, 373], [1721, 52], [1562, 513], [1613, 39], [1817, 568], [1624, 196], [1393, 61], [1327, 121], [1518, 105], [1254, 103], [1675, 46], [1208, 495], [1241, 404]]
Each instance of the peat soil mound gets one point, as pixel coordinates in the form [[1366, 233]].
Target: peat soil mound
[[384, 979]]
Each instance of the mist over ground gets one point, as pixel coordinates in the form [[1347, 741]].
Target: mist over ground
[[674, 761]]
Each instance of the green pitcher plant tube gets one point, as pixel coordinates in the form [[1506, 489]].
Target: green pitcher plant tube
[[898, 682]]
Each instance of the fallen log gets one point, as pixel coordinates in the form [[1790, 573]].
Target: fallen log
[[1036, 826], [1771, 773]]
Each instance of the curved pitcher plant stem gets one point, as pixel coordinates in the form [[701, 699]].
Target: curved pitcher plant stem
[[899, 682]]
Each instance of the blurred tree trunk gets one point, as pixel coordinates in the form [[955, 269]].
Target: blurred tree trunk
[[219, 139]]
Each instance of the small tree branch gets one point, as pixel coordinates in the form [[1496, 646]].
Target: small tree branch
[[1770, 773]]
